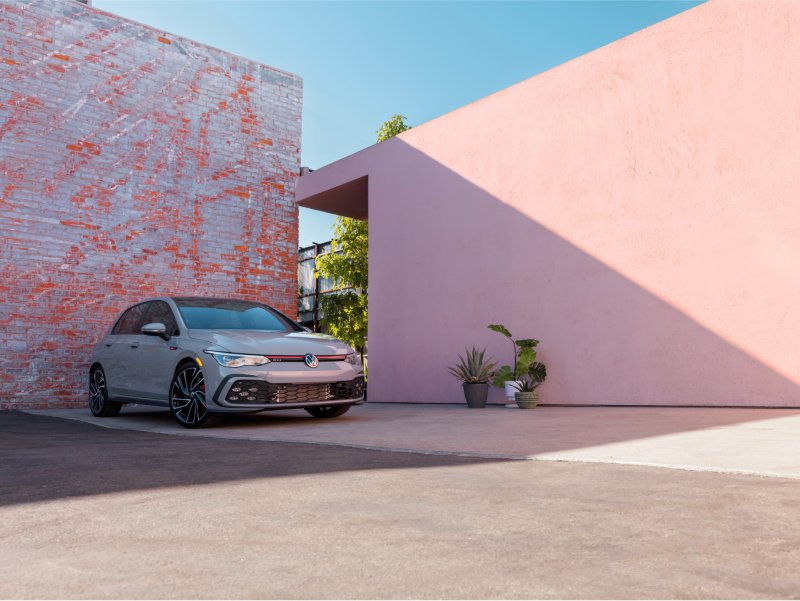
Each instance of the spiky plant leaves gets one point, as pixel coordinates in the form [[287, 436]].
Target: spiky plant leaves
[[526, 386], [473, 370]]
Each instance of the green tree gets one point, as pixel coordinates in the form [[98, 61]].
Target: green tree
[[392, 127], [345, 310]]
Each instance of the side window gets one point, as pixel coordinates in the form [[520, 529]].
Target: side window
[[129, 322], [120, 322], [160, 312]]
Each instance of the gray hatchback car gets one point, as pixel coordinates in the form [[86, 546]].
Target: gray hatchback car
[[207, 357]]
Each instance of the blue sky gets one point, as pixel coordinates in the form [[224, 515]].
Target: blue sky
[[362, 62]]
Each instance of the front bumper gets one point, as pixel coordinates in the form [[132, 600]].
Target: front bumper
[[249, 393]]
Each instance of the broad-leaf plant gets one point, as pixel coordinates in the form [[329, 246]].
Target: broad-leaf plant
[[524, 358]]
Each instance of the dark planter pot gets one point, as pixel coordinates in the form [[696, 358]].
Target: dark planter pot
[[476, 395]]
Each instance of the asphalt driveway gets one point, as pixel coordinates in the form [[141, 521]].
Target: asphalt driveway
[[88, 512]]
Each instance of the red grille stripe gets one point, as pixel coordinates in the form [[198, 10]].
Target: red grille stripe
[[301, 357]]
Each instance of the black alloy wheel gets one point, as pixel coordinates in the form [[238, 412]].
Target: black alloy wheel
[[99, 404], [187, 399], [334, 411]]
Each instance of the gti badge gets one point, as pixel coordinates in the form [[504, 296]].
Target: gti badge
[[311, 360]]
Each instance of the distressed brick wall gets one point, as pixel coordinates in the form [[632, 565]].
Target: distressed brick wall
[[133, 163]]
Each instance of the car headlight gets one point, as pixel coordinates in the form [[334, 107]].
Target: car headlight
[[234, 360], [352, 359]]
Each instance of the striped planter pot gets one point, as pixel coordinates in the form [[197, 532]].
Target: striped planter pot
[[527, 400]]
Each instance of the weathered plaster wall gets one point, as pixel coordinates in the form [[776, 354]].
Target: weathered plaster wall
[[635, 209], [133, 163]]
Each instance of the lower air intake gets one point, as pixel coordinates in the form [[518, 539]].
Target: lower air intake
[[258, 392]]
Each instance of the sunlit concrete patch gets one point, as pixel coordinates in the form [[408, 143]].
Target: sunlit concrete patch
[[738, 440], [768, 447]]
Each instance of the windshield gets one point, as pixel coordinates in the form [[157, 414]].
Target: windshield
[[223, 314]]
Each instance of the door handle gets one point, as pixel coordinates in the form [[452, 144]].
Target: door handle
[[135, 344]]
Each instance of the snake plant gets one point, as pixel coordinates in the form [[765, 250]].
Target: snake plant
[[473, 370]]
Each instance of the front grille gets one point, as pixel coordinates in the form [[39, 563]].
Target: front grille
[[258, 392]]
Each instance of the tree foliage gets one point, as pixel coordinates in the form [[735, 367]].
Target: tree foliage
[[350, 267], [345, 316], [345, 311], [392, 127]]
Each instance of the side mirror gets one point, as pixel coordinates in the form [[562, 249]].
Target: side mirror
[[156, 329]]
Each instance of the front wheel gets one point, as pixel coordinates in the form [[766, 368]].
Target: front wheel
[[99, 404], [187, 399], [334, 411]]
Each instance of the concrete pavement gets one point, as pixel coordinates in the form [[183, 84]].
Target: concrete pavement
[[736, 440], [88, 512]]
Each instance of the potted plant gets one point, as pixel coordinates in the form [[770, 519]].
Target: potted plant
[[474, 374], [524, 356], [527, 395]]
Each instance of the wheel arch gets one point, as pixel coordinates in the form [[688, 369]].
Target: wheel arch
[[94, 366], [184, 361]]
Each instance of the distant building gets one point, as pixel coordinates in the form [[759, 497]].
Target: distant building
[[309, 288]]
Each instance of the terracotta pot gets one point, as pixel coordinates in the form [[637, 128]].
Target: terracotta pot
[[476, 395], [527, 400]]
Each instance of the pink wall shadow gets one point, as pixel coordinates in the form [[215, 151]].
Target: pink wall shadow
[[605, 339]]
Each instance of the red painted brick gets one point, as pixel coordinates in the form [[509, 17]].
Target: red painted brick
[[128, 173]]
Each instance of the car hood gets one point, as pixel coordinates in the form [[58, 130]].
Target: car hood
[[271, 343]]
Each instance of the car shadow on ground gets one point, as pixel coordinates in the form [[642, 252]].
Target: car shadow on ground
[[163, 418], [44, 458]]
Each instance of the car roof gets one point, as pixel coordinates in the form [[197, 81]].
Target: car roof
[[217, 298]]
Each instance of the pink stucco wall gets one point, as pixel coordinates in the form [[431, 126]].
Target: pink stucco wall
[[635, 209]]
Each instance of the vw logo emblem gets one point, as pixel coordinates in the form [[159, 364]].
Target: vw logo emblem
[[311, 360]]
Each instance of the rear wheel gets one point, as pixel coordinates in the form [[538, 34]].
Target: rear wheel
[[99, 404], [187, 399], [334, 411]]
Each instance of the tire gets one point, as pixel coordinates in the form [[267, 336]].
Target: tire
[[187, 399], [324, 412], [99, 404]]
